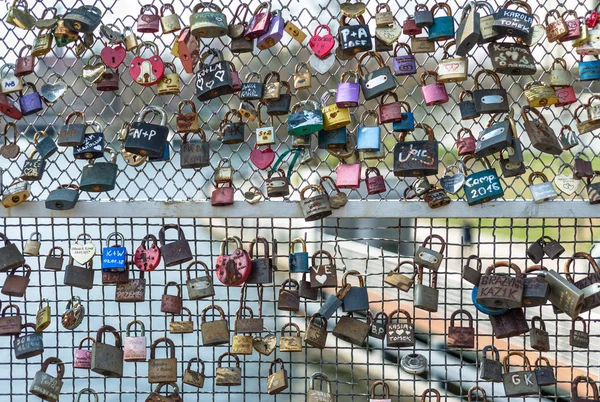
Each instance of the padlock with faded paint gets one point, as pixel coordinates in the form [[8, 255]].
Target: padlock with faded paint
[[289, 299], [459, 336], [46, 386], [199, 287], [490, 369], [469, 31], [589, 383], [185, 326], [26, 345], [591, 300], [83, 357], [11, 324], [579, 338], [352, 330], [428, 257], [134, 347], [538, 337], [193, 377], [235, 268], [535, 289], [290, 343], [176, 252], [509, 324], [433, 94], [544, 373], [73, 314], [228, 376], [400, 334], [298, 260], [426, 297], [334, 116], [305, 122], [543, 191], [315, 207], [214, 332], [316, 333], [99, 177]]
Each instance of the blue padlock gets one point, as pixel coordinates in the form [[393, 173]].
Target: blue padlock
[[30, 103], [484, 309], [357, 298], [443, 27], [166, 156], [333, 302], [114, 258], [482, 186], [408, 119], [46, 146], [298, 260], [332, 139], [589, 70], [369, 137]]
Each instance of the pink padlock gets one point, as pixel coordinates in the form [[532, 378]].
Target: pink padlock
[[259, 23], [222, 196], [135, 346], [565, 95], [83, 358], [465, 144], [390, 112], [348, 92], [236, 83], [573, 26], [148, 23], [434, 94], [375, 184], [348, 175]]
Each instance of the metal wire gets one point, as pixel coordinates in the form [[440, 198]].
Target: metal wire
[[370, 248], [167, 181]]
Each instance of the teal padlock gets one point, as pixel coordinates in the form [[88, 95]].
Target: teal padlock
[[443, 26], [482, 186], [298, 260], [305, 122], [589, 70]]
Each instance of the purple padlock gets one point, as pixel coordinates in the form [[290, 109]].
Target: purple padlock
[[433, 94], [274, 33], [30, 103], [404, 65], [348, 92]]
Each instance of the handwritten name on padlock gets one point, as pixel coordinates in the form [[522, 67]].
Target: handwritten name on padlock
[[503, 286], [139, 133]]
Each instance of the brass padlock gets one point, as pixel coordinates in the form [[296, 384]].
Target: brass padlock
[[250, 325], [42, 318], [241, 344], [165, 369], [169, 23], [314, 395], [192, 377], [302, 79], [32, 246], [316, 334], [215, 332], [277, 380], [187, 122], [539, 94], [452, 69], [400, 281], [426, 297], [228, 376], [182, 327], [290, 343]]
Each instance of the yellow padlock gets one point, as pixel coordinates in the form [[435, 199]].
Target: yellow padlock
[[334, 117]]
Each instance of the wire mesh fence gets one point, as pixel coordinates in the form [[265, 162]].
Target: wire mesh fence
[[373, 250], [167, 181]]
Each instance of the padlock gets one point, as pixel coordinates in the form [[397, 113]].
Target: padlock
[[241, 344], [89, 391], [426, 297], [514, 23], [45, 147], [302, 79], [461, 337], [486, 24], [378, 82], [155, 396], [134, 346], [298, 260], [433, 94], [199, 287], [262, 266], [400, 334], [451, 69], [556, 29], [93, 71], [495, 138], [400, 281], [187, 48], [161, 370], [426, 395], [315, 207], [509, 324], [314, 395], [352, 330], [184, 326], [539, 94], [11, 325], [589, 383], [100, 176], [560, 77], [107, 360], [290, 343], [277, 380], [45, 385], [573, 27], [273, 34], [30, 103], [252, 90], [511, 58], [334, 117], [483, 186], [277, 184], [465, 144], [568, 138], [501, 291], [65, 35], [467, 108], [354, 38], [208, 21], [194, 155], [564, 295], [423, 16], [169, 23], [334, 302], [25, 63], [148, 19], [9, 108], [410, 28], [305, 122], [93, 145], [169, 84], [376, 183], [541, 192], [407, 119], [72, 134], [232, 132], [215, 332], [579, 338], [27, 345], [176, 252], [334, 139], [224, 171], [84, 19], [348, 92], [147, 259], [442, 27], [114, 258], [386, 392], [357, 297], [369, 137], [582, 42], [538, 337], [7, 149], [148, 139], [193, 377], [171, 303], [519, 383], [83, 357], [490, 369], [215, 79], [593, 190], [489, 101], [9, 83], [316, 333], [379, 325], [566, 183], [469, 31], [289, 299], [235, 268], [20, 16], [132, 290], [80, 277], [147, 71], [588, 70], [42, 44], [427, 257], [34, 168], [535, 289], [73, 314], [582, 168], [416, 158], [18, 192], [228, 376], [476, 389], [544, 374], [32, 246]]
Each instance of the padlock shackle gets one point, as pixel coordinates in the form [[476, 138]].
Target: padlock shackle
[[542, 359], [349, 73], [370, 54], [386, 318], [425, 74], [397, 313], [159, 386], [431, 391], [372, 169], [447, 46], [60, 367], [433, 277], [183, 103], [273, 363], [461, 312], [579, 255], [322, 377], [487, 73], [476, 388], [494, 351], [525, 110], [167, 6], [483, 160], [511, 266], [87, 338], [172, 283], [326, 254], [297, 240], [239, 313], [385, 387], [237, 360], [428, 131], [212, 307], [518, 3], [200, 364], [404, 46], [26, 270], [407, 262], [291, 325], [108, 328], [429, 240], [292, 282], [582, 321], [505, 362], [15, 307], [589, 382], [461, 98], [554, 12], [272, 74], [356, 273], [189, 314], [24, 327], [539, 319], [161, 233], [170, 344], [87, 391], [536, 175], [135, 322], [439, 6], [194, 264], [323, 322]]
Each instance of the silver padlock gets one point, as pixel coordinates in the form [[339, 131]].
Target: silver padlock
[[426, 297], [543, 191]]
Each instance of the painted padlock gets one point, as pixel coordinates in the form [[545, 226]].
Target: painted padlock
[[233, 269]]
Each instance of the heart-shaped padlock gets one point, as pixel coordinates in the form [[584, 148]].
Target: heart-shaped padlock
[[147, 71], [93, 70], [322, 45], [353, 10], [233, 269], [452, 183], [147, 259], [10, 150], [265, 345], [113, 56], [321, 66], [388, 35], [83, 252], [262, 158], [52, 92]]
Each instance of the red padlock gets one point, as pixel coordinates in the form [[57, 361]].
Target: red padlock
[[233, 269], [260, 22], [147, 71], [390, 112], [222, 196], [322, 45], [465, 144], [147, 259], [9, 108], [565, 95], [433, 94], [375, 184], [113, 56], [148, 23], [25, 63], [188, 50], [410, 28], [592, 20]]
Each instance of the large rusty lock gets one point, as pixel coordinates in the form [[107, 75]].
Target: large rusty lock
[[107, 359], [461, 337], [11, 325], [352, 330], [490, 369], [176, 252], [262, 266], [428, 257], [83, 357], [316, 333], [233, 269], [357, 298], [193, 377], [501, 291], [510, 323], [16, 285], [172, 304], [400, 334], [163, 369], [538, 337], [135, 346], [228, 376], [289, 299], [519, 383], [147, 258], [290, 343], [199, 287], [28, 345], [589, 384], [215, 332], [400, 281], [45, 385]]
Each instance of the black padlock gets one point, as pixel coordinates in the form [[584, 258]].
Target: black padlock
[[92, 146], [535, 252], [491, 369], [10, 256], [281, 106], [213, 80], [493, 100], [252, 90], [544, 374], [551, 247], [379, 325], [72, 134], [232, 132], [148, 139], [55, 259], [262, 266], [63, 197], [535, 288], [538, 337], [176, 252], [33, 168], [423, 16]]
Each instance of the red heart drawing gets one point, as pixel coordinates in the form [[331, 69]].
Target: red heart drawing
[[322, 45], [262, 158], [113, 56]]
